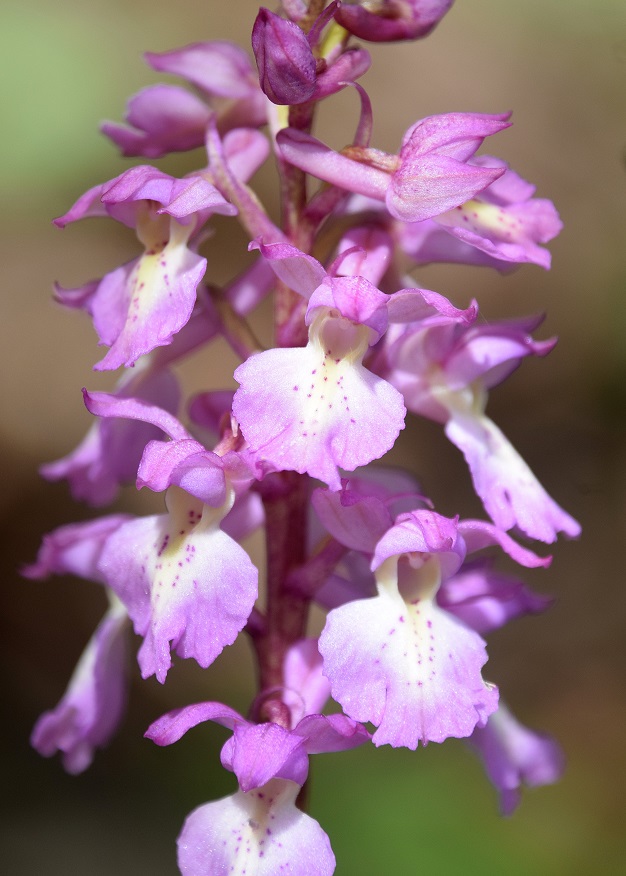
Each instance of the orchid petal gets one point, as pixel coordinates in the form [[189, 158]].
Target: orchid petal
[[159, 298], [412, 670], [188, 465], [261, 832], [309, 411], [510, 492], [514, 756], [93, 705], [258, 753], [183, 582]]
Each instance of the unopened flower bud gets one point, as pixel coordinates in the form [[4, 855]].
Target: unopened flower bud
[[287, 69]]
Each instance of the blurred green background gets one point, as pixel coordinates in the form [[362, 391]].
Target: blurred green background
[[561, 67]]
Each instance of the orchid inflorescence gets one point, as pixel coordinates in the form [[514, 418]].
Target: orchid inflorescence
[[409, 593]]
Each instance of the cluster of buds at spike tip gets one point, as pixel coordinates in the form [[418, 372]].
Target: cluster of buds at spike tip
[[291, 448]]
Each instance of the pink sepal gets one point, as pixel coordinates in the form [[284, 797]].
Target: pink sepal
[[479, 534], [245, 150], [300, 272], [365, 251], [79, 298], [314, 157], [356, 521], [208, 410], [172, 726], [348, 67], [428, 309], [433, 174], [455, 135], [103, 404], [218, 68], [306, 687], [486, 599], [428, 242], [74, 549], [88, 204], [326, 733], [514, 755], [492, 352], [162, 119], [109, 454]]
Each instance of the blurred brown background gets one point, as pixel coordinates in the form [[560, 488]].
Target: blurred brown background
[[561, 67]]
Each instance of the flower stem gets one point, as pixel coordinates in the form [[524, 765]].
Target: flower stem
[[284, 498]]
